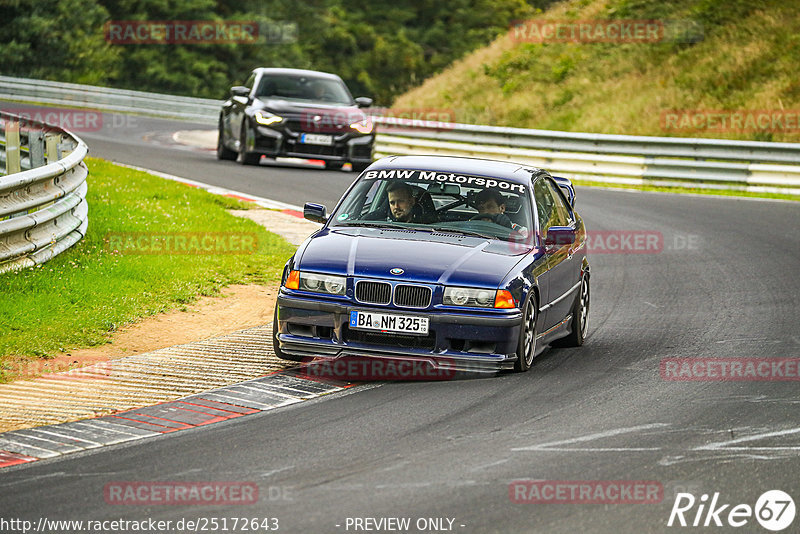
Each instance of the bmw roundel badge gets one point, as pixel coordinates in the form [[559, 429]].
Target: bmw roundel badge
[[397, 270]]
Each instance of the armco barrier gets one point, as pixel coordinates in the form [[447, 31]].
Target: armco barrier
[[107, 99], [710, 163], [43, 209]]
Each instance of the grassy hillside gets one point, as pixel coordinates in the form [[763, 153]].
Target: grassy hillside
[[745, 59]]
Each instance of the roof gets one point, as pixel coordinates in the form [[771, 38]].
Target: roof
[[297, 72], [514, 172]]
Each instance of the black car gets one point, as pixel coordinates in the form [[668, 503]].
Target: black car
[[295, 113]]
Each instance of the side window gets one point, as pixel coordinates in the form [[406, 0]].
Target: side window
[[544, 204], [250, 81], [561, 214]]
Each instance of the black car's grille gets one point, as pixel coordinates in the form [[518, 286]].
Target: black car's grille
[[392, 340], [293, 125], [362, 151], [412, 296], [317, 150], [373, 292], [307, 125]]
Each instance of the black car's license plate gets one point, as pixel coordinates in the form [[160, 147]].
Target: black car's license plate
[[316, 139], [385, 322]]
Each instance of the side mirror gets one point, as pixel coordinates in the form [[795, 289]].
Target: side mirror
[[558, 236], [315, 212], [363, 102], [240, 90]]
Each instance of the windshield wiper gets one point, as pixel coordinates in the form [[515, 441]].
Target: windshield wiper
[[463, 232]]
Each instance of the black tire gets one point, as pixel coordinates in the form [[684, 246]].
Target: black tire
[[224, 152], [526, 347], [580, 313], [333, 165], [244, 157], [360, 167], [276, 345]]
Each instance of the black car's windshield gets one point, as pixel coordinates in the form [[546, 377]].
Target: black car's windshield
[[304, 88], [478, 206]]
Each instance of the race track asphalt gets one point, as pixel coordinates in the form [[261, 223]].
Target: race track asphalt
[[723, 284]]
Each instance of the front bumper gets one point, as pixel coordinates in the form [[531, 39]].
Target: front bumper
[[468, 342], [286, 143]]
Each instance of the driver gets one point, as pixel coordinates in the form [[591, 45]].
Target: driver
[[319, 91], [403, 206]]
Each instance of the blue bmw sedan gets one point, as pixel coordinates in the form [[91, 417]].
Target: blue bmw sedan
[[455, 263]]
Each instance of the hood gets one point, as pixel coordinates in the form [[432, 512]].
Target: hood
[[433, 258]]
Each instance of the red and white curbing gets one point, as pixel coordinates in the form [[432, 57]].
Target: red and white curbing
[[238, 400]]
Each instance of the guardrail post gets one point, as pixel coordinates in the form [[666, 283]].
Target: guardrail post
[[12, 147], [36, 148], [51, 147]]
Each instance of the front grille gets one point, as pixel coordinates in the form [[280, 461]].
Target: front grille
[[373, 292], [412, 296], [317, 150], [392, 340], [362, 151]]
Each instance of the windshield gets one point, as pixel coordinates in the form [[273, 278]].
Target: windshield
[[426, 200], [304, 88]]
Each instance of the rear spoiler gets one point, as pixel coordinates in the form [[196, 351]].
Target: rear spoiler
[[567, 188]]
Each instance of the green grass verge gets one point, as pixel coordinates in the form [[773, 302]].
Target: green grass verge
[[83, 295], [690, 190]]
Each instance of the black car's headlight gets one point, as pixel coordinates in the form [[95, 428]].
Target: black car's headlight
[[478, 298], [266, 118], [363, 126], [318, 283]]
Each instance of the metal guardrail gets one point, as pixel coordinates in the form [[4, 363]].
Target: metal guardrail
[[671, 161], [43, 209], [108, 99], [709, 163]]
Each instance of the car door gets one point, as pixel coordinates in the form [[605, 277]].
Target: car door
[[563, 265]]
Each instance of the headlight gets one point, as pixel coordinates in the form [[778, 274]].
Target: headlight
[[363, 127], [322, 283], [266, 118], [465, 296]]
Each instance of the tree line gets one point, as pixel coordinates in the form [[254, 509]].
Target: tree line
[[380, 48]]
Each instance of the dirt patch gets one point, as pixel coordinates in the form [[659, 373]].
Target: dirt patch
[[238, 307]]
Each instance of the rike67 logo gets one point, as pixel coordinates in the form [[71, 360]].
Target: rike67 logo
[[774, 510]]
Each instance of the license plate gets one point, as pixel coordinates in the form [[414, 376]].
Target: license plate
[[383, 322], [316, 139]]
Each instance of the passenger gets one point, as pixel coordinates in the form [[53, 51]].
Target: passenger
[[491, 206]]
